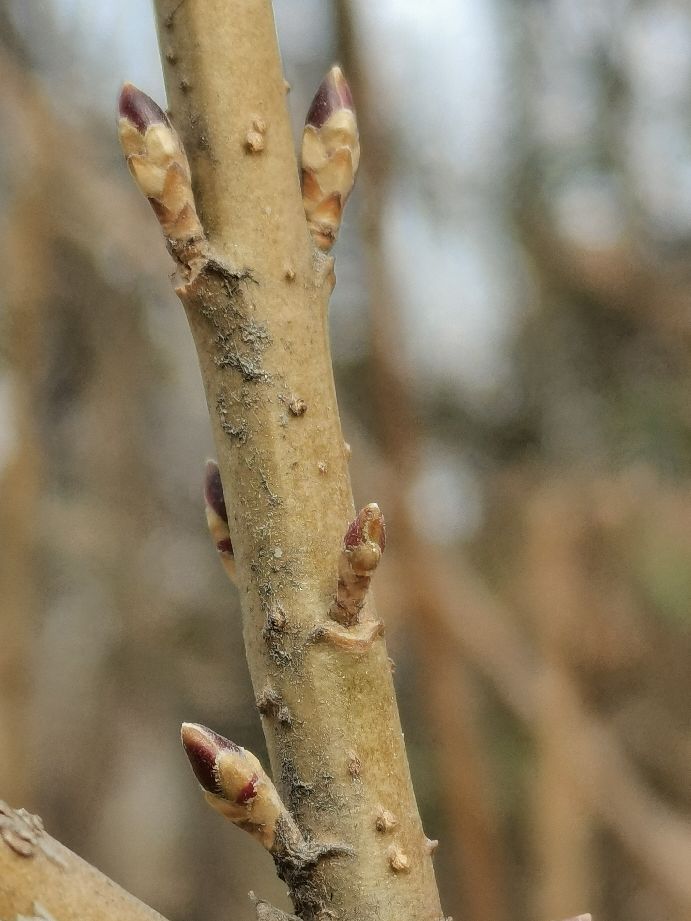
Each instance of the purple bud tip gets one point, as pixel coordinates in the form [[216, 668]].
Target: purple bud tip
[[368, 525], [203, 746], [333, 93], [225, 545], [140, 109], [213, 490]]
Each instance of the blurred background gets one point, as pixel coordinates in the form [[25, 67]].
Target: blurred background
[[511, 332]]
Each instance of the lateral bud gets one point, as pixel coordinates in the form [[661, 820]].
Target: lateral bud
[[158, 163], [217, 517], [237, 786], [330, 158], [363, 546]]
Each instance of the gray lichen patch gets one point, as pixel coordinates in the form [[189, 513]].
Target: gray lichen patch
[[269, 702], [236, 428], [297, 864], [219, 295]]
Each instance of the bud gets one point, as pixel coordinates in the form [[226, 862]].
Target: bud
[[330, 158], [365, 539], [234, 782], [158, 162], [363, 545], [217, 516]]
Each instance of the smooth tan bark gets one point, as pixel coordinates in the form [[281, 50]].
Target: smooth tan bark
[[257, 311], [39, 878]]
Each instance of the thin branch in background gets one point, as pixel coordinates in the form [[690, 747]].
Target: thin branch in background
[[562, 825]]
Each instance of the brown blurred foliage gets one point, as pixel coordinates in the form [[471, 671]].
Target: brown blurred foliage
[[543, 654]]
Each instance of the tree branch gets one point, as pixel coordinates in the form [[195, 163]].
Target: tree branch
[[41, 879], [256, 290]]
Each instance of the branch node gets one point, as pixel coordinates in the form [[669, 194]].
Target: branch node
[[357, 640]]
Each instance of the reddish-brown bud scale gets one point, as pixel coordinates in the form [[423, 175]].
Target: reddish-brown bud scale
[[140, 109], [333, 93], [249, 791], [202, 747], [236, 785], [213, 490], [367, 526], [217, 516]]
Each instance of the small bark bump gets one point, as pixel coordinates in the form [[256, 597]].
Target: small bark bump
[[269, 702], [297, 406], [255, 137], [254, 142], [431, 844], [354, 763], [398, 859], [385, 821]]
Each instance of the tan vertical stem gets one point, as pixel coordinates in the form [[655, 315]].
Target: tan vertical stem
[[259, 324]]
